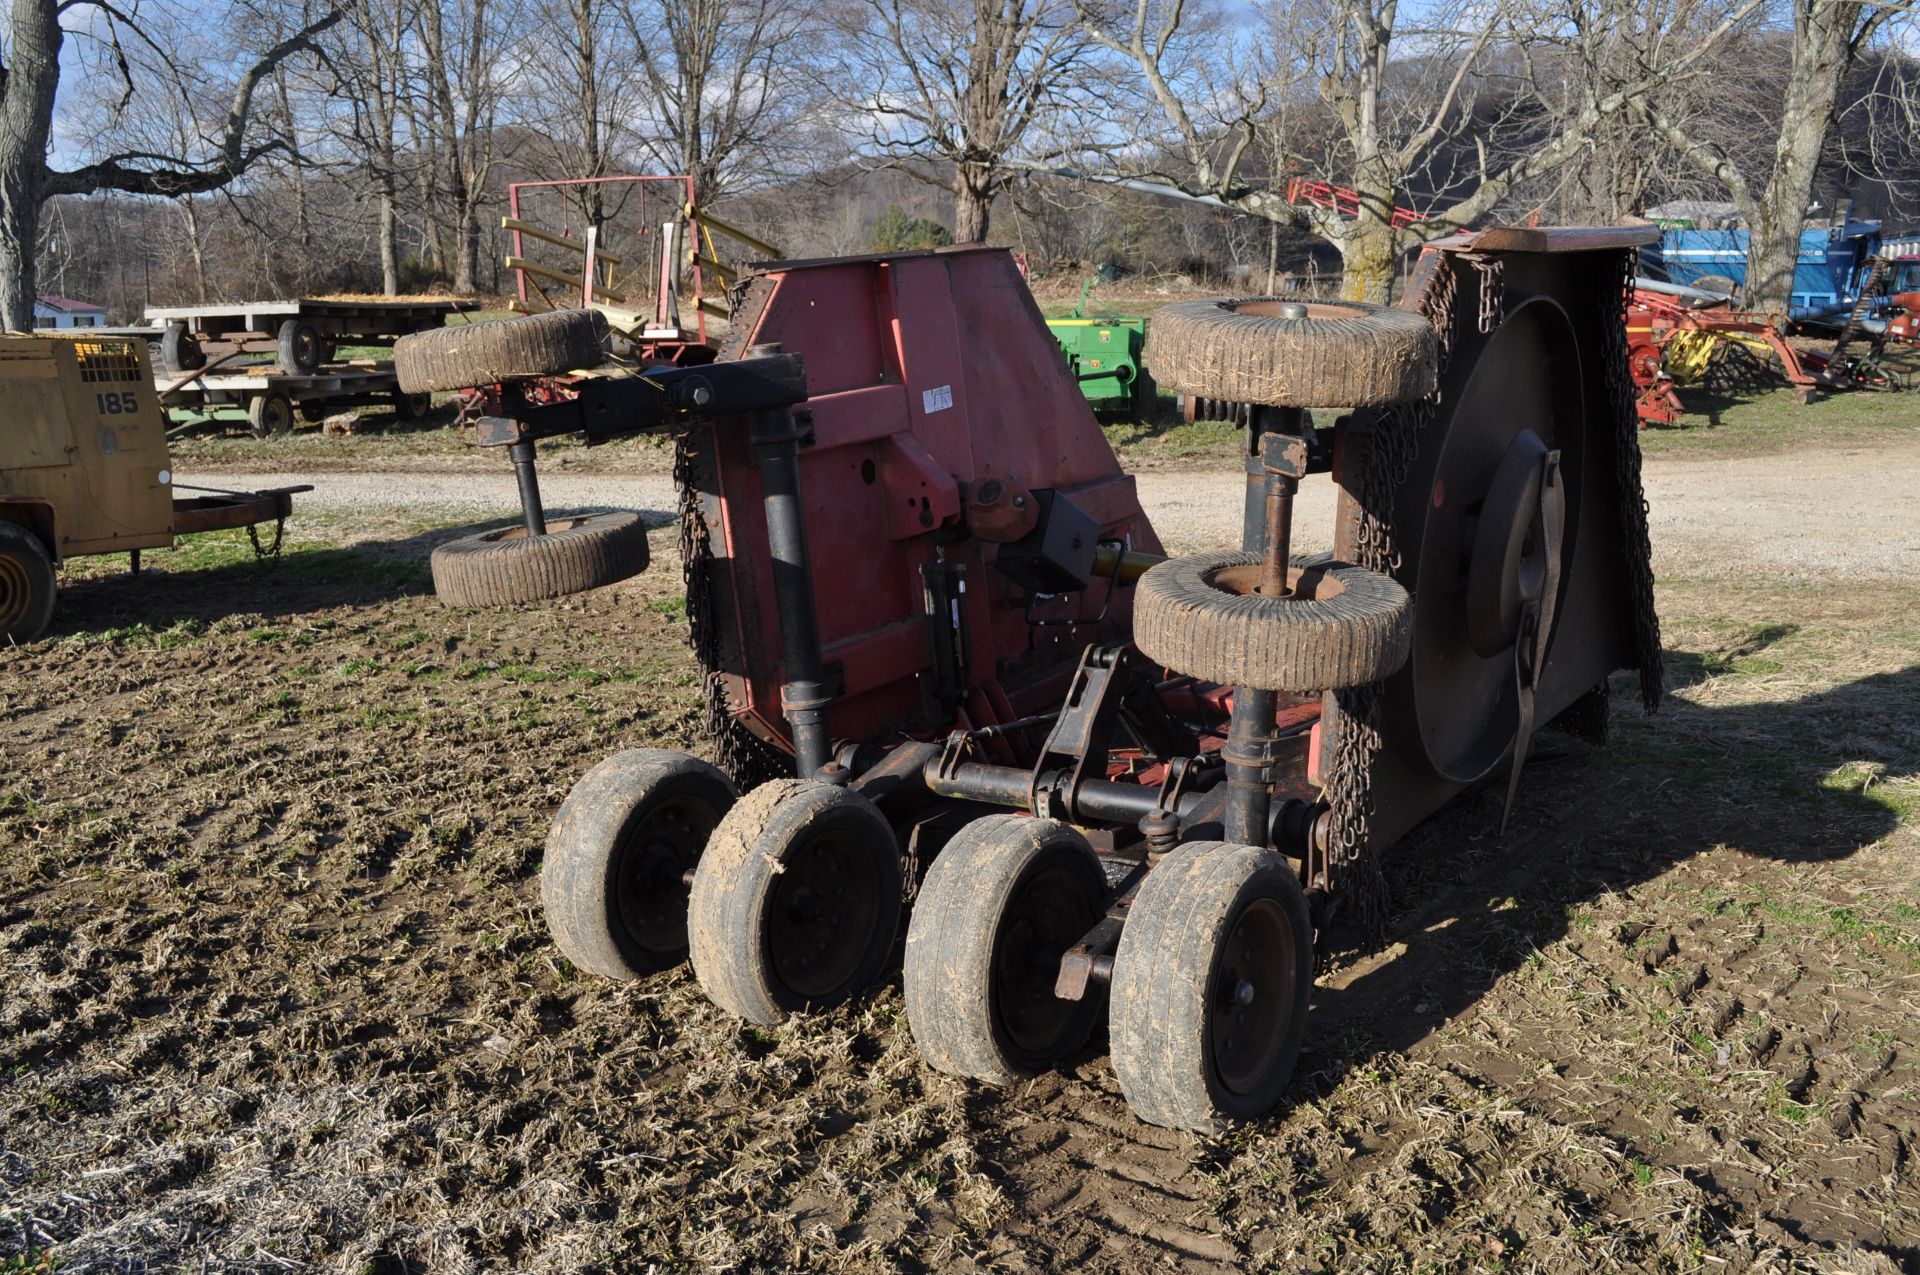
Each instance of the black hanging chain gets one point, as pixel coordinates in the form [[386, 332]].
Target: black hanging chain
[[270, 553], [747, 758]]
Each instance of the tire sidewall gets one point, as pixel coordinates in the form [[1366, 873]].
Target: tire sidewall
[[796, 826], [595, 834], [24, 548], [1064, 846]]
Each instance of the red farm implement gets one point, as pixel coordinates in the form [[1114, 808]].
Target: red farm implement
[[1341, 199], [1678, 334], [948, 666]]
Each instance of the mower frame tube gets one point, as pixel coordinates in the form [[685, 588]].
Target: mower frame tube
[[1092, 800], [804, 694]]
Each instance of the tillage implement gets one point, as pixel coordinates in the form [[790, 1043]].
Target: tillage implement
[[955, 686]]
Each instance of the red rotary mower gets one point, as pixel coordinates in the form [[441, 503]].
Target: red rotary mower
[[949, 669]]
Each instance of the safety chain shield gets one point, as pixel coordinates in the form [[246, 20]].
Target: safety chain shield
[[1392, 445], [1636, 545], [748, 759]]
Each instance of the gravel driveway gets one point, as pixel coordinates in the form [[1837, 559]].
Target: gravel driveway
[[1797, 515]]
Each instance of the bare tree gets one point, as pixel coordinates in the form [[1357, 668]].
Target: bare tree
[[1828, 38], [1508, 84], [370, 58], [967, 84], [463, 42], [27, 92], [728, 80]]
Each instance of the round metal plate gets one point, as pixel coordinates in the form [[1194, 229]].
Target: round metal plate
[[1528, 378]]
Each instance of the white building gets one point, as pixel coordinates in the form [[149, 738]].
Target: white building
[[65, 312]]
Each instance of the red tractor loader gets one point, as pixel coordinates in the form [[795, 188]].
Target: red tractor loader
[[950, 671]]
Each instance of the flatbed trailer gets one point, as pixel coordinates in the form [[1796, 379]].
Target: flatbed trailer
[[270, 398], [301, 332]]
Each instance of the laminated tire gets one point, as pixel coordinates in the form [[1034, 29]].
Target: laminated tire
[[506, 565], [1342, 354], [1211, 983], [796, 901], [1001, 905], [470, 354], [1341, 626], [612, 882]]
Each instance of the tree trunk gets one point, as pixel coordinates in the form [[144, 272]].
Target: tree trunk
[[972, 204], [467, 262], [389, 244], [26, 118], [1822, 52], [190, 222]]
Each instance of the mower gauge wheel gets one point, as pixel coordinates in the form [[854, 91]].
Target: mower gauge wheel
[[1001, 905], [506, 565], [1339, 626], [796, 901], [470, 354], [613, 883], [1210, 987], [1263, 350]]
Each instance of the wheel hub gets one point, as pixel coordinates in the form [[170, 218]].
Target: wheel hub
[[822, 916], [1249, 1029], [664, 847]]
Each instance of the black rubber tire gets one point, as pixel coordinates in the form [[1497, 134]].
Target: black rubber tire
[[1146, 394], [1342, 627], [270, 415], [301, 348], [611, 883], [796, 902], [411, 407], [28, 584], [1343, 354], [505, 565], [1178, 954], [1002, 903], [469, 354], [179, 352]]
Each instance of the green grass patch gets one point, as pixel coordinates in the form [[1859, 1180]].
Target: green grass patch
[[1770, 421]]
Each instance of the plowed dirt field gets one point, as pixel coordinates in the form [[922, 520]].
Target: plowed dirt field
[[275, 992]]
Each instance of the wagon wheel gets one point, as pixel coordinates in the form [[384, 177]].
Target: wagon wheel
[[27, 584], [300, 347], [1210, 987], [1284, 352], [1339, 626], [796, 902], [613, 883], [409, 408], [179, 352], [270, 415], [1001, 905]]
